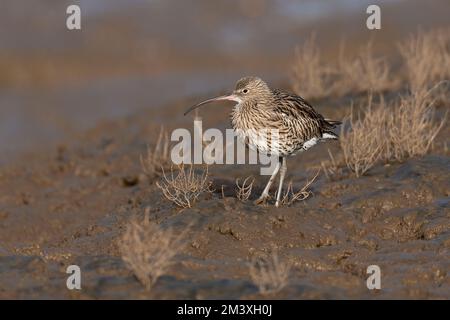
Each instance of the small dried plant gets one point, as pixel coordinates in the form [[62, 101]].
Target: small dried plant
[[310, 75], [363, 144], [269, 274], [332, 167], [427, 58], [184, 187], [314, 77], [365, 73], [148, 250], [376, 71], [395, 132], [244, 191], [290, 196], [412, 128], [158, 158]]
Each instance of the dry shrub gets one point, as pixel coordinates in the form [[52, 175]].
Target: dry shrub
[[158, 158], [184, 187], [313, 77], [148, 250], [290, 196], [365, 73], [244, 191], [362, 146], [269, 274], [427, 58], [395, 132], [332, 167], [412, 129]]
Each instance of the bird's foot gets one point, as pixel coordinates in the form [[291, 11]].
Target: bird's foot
[[261, 200]]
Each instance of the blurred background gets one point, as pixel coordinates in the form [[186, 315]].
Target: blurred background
[[136, 54]]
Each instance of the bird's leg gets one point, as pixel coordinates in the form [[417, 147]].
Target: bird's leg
[[282, 174], [265, 193]]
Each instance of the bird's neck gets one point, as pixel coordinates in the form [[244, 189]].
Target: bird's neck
[[244, 107], [242, 115]]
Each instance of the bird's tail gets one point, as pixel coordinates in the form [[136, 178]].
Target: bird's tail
[[328, 133], [333, 123]]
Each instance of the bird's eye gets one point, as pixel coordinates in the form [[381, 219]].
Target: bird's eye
[[245, 90]]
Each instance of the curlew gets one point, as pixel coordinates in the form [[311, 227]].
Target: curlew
[[259, 110]]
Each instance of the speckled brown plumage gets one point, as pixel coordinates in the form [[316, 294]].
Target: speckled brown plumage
[[260, 111]]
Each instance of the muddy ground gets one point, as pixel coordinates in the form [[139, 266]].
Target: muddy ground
[[70, 205], [138, 66]]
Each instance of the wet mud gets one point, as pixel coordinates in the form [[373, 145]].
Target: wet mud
[[71, 204]]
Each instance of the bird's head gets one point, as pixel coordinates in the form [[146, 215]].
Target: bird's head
[[246, 89]]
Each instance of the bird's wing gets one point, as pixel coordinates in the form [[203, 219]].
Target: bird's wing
[[294, 105], [299, 116]]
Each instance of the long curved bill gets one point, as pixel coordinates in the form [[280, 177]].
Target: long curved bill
[[230, 97]]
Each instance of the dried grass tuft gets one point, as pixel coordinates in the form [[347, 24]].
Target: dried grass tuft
[[427, 58], [412, 128], [290, 196], [404, 129], [310, 75], [157, 159], [244, 191], [332, 167], [365, 73], [362, 145], [269, 274], [394, 132], [313, 77], [148, 250], [184, 187]]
